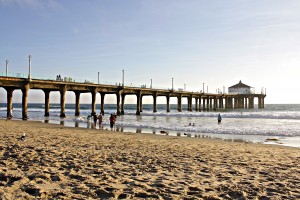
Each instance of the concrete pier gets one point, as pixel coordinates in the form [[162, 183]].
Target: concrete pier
[[138, 103], [122, 103], [168, 102], [179, 103], [155, 102], [24, 90], [77, 103], [118, 103], [102, 102], [62, 91], [9, 92], [47, 102], [203, 101]]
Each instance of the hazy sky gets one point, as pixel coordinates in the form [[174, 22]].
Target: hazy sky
[[214, 42]]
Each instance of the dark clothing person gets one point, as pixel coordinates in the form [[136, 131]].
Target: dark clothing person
[[100, 119], [112, 120], [219, 118], [95, 118]]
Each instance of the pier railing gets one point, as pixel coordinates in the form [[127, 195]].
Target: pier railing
[[75, 80]]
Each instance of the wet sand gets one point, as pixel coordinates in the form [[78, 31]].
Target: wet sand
[[57, 162]]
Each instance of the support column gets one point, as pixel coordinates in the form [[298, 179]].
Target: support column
[[200, 98], [141, 104], [203, 108], [263, 102], [215, 103], [62, 91], [236, 102], [118, 103], [190, 103], [196, 104], [210, 103], [242, 102], [102, 102], [221, 102], [155, 102], [259, 102], [168, 102], [230, 102], [138, 103], [93, 92], [207, 104], [77, 103], [179, 103], [122, 103], [47, 102], [246, 103], [251, 102], [9, 92], [25, 90]]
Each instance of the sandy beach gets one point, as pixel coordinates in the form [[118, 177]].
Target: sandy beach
[[57, 162]]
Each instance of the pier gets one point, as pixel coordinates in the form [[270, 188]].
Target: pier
[[203, 101]]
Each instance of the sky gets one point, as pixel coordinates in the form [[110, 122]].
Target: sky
[[216, 42]]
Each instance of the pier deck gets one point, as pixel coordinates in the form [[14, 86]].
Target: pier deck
[[203, 101]]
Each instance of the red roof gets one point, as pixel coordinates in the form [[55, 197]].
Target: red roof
[[240, 85]]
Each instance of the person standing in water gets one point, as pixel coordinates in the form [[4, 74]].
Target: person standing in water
[[112, 120], [219, 118], [100, 118], [95, 117]]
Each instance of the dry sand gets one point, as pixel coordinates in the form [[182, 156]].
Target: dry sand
[[56, 162]]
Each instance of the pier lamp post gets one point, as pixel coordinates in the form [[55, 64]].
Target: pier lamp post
[[203, 88], [122, 77], [29, 57], [172, 83], [98, 77], [151, 83], [6, 67], [184, 87], [207, 89]]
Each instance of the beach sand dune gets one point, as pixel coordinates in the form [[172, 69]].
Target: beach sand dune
[[56, 162]]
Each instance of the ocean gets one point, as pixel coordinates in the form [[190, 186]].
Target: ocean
[[277, 124]]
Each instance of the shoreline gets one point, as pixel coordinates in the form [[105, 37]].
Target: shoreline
[[62, 162], [259, 139], [289, 141]]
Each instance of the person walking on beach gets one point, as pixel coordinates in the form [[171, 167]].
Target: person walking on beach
[[219, 118], [100, 118], [112, 120]]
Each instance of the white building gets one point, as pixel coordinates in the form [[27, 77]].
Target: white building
[[241, 88]]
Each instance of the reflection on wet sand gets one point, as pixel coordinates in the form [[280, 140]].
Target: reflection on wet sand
[[138, 130], [149, 131]]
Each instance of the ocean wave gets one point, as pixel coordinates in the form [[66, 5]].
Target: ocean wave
[[254, 115], [215, 129]]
